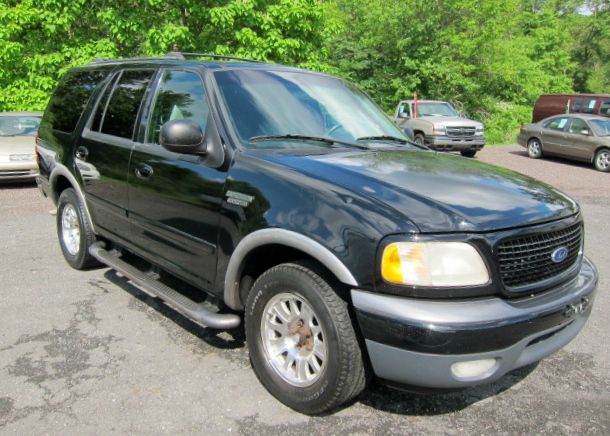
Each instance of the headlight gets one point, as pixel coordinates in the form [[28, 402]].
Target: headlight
[[433, 264], [479, 131], [22, 157], [439, 130]]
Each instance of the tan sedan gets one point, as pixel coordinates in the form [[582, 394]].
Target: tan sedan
[[17, 145], [574, 136]]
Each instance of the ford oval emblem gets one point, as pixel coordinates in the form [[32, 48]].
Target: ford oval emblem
[[559, 255]]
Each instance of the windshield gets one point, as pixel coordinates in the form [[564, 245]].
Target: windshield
[[277, 103], [600, 127], [19, 125], [436, 109]]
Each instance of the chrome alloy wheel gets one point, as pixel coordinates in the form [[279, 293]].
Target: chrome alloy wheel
[[602, 160], [534, 148], [70, 229], [293, 339]]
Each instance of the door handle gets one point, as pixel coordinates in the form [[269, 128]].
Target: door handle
[[81, 153], [143, 171]]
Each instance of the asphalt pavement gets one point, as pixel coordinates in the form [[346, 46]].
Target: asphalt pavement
[[87, 353]]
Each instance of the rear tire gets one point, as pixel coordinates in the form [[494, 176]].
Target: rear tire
[[602, 160], [302, 344], [534, 148], [468, 153], [74, 231]]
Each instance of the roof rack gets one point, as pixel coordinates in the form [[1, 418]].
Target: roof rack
[[183, 55]]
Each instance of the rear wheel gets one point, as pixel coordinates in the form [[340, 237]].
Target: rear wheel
[[534, 148], [302, 344], [74, 231], [602, 160], [468, 153]]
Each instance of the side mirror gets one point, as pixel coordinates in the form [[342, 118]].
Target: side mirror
[[182, 136], [404, 115], [585, 132]]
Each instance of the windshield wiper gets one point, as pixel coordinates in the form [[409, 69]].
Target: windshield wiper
[[326, 140], [383, 138], [391, 138]]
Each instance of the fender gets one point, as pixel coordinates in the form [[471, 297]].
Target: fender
[[62, 170], [282, 237]]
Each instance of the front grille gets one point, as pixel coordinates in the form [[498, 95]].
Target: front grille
[[460, 132], [527, 259]]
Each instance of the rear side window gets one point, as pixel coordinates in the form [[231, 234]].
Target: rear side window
[[556, 123], [577, 105], [605, 108], [577, 126], [70, 98], [122, 109], [589, 106]]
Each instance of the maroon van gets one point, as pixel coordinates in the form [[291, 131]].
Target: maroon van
[[555, 104]]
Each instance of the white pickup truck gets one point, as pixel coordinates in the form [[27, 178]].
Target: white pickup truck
[[439, 126]]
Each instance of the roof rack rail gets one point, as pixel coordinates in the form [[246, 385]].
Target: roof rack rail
[[183, 55]]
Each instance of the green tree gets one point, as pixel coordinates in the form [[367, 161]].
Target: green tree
[[40, 39], [491, 58]]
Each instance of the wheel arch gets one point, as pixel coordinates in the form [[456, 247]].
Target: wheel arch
[[271, 247], [597, 150], [61, 178]]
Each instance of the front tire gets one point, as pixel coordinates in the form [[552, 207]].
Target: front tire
[[468, 153], [534, 148], [419, 139], [302, 343], [74, 231], [602, 160]]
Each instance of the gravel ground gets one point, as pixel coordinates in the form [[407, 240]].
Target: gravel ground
[[87, 353]]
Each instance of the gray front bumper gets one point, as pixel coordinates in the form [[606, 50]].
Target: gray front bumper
[[447, 143], [470, 317]]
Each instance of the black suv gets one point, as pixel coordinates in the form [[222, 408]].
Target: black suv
[[290, 196]]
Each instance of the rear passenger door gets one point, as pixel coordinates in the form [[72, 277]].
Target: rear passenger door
[[175, 199], [553, 135], [102, 154], [578, 144]]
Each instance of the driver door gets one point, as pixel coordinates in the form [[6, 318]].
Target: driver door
[[175, 199]]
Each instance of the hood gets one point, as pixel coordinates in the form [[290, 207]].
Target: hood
[[452, 121], [16, 145], [439, 192]]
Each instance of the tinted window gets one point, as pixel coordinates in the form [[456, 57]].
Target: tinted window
[[280, 102], [605, 107], [589, 106], [101, 106], [70, 98], [577, 126], [181, 97], [577, 105], [556, 123], [122, 110]]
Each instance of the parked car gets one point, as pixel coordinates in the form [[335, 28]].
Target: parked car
[[289, 196], [580, 137], [556, 104], [17, 141], [439, 126]]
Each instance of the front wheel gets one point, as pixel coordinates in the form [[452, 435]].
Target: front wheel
[[419, 139], [468, 153], [534, 148], [302, 344], [602, 160], [74, 231]]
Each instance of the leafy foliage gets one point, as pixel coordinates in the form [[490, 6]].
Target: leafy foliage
[[41, 39], [491, 58]]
